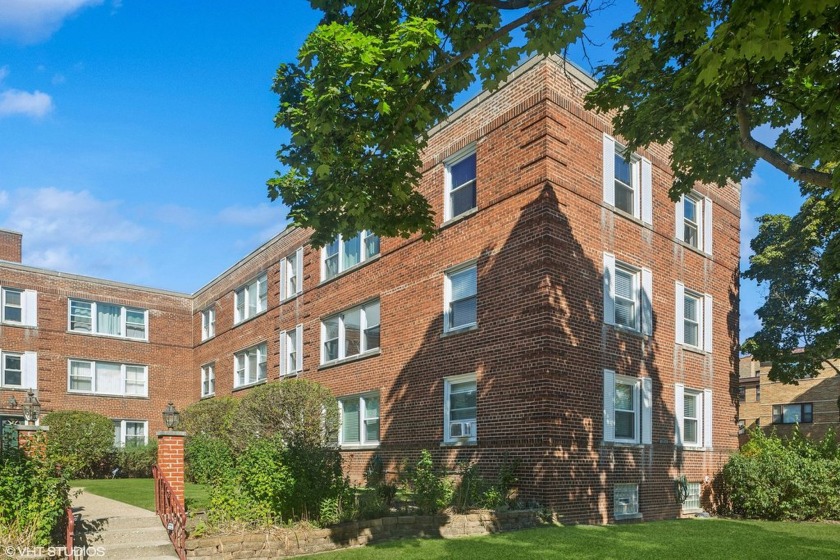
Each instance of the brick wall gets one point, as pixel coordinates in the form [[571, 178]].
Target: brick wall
[[10, 246]]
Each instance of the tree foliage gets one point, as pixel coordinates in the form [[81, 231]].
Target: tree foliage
[[368, 84], [703, 74], [79, 440], [797, 261]]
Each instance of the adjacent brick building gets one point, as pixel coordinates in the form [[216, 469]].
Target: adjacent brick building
[[813, 404], [568, 315]]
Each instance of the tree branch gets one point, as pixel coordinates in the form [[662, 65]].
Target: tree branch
[[505, 4], [771, 156]]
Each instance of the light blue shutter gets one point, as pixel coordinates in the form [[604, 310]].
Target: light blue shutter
[[647, 410], [647, 301], [647, 192], [679, 411], [609, 405], [708, 316], [284, 356], [707, 418], [30, 308], [679, 316], [29, 367], [299, 349], [707, 225], [609, 289], [679, 218], [299, 269], [609, 170]]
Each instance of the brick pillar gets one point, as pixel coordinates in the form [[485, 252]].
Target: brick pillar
[[170, 461], [32, 440]]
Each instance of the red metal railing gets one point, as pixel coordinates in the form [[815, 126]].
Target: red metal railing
[[171, 513], [70, 534]]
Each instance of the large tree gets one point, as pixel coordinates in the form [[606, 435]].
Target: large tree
[[704, 74], [370, 81], [797, 262]]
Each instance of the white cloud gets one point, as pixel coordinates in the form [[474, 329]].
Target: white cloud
[[58, 79], [16, 102], [32, 21], [71, 231], [4, 71]]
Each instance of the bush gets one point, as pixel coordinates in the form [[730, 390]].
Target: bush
[[135, 462], [793, 479], [212, 417], [431, 490], [33, 498], [207, 458], [79, 441]]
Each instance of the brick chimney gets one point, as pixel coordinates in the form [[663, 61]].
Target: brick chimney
[[10, 245]]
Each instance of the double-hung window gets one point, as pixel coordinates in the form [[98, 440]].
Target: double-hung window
[[343, 253], [793, 413], [19, 307], [627, 181], [107, 378], [208, 323], [291, 351], [18, 370], [693, 416], [350, 333], [459, 408], [108, 319], [130, 433], [208, 380], [693, 318], [460, 184], [460, 300], [627, 295], [627, 408], [694, 221], [359, 420], [250, 299], [291, 275], [249, 365]]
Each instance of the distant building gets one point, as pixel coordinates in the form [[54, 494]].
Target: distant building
[[813, 403]]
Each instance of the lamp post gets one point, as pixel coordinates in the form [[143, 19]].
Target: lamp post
[[171, 416], [31, 408]]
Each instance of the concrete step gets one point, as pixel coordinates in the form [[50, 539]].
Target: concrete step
[[137, 551], [119, 536], [121, 523]]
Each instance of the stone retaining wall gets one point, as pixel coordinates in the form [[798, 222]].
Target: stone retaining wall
[[282, 543]]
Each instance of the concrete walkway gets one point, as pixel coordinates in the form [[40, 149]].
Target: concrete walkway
[[112, 529]]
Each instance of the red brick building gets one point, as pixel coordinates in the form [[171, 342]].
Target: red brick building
[[568, 314]]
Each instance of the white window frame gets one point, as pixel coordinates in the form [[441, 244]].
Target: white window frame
[[704, 208], [641, 176], [342, 267], [705, 311], [208, 380], [28, 370], [363, 327], [642, 403], [447, 297], [363, 420], [697, 322], [291, 269], [447, 392], [291, 351], [123, 424], [28, 307], [208, 323], [704, 420], [123, 378], [245, 294], [642, 295], [94, 326], [455, 159], [625, 501], [260, 375]]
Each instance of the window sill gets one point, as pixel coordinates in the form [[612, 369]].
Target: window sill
[[458, 218], [289, 375], [358, 447], [342, 361], [627, 330], [459, 330], [464, 443], [15, 388], [210, 396], [694, 349], [111, 336], [628, 516], [353, 268], [627, 444], [15, 324], [89, 394], [249, 385], [692, 248], [249, 319], [631, 217], [694, 448], [208, 339], [291, 298]]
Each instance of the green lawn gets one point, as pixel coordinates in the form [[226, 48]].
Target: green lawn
[[140, 492], [683, 539]]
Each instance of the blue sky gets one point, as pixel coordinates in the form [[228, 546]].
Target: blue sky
[[136, 136]]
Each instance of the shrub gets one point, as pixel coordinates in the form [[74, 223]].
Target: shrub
[[135, 462], [431, 490], [212, 417], [79, 441], [470, 488], [793, 479], [33, 497], [207, 458]]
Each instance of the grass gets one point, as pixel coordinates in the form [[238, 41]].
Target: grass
[[140, 492], [685, 539]]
